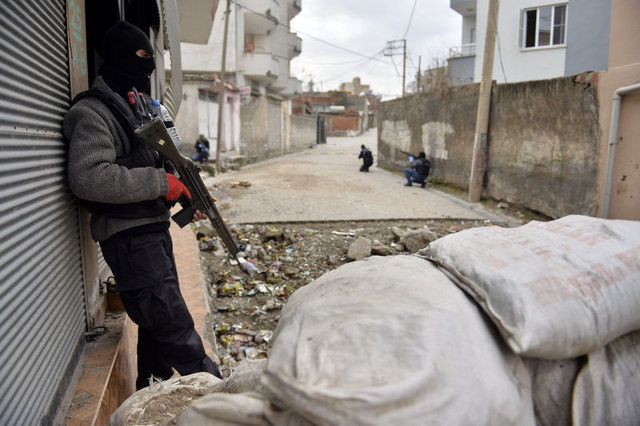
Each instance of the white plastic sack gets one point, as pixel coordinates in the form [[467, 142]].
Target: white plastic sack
[[162, 402], [238, 400], [227, 409], [552, 389], [392, 341], [607, 390], [555, 289]]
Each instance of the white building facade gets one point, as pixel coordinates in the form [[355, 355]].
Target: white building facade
[[536, 39], [260, 47]]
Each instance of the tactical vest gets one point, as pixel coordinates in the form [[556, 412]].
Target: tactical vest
[[140, 155]]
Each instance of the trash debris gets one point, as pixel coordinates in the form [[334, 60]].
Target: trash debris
[[281, 259]]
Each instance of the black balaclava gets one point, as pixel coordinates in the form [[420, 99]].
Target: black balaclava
[[122, 67]]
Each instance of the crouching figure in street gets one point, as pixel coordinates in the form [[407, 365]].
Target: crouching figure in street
[[417, 171]]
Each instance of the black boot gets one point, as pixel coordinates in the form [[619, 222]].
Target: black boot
[[210, 367]]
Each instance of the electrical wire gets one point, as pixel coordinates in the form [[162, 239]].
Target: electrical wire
[[360, 65], [368, 58], [289, 28], [413, 9]]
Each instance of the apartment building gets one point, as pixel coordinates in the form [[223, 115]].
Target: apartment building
[[594, 40], [536, 39], [259, 49]]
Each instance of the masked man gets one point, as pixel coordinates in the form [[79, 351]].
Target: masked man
[[129, 189]]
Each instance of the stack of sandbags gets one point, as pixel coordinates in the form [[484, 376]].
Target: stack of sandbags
[[390, 340], [566, 291], [386, 340]]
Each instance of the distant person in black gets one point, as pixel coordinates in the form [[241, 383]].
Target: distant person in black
[[367, 158], [418, 170], [202, 150]]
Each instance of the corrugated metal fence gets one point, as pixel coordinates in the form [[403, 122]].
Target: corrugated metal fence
[[42, 316]]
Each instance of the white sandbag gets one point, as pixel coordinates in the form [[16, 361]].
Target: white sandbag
[[555, 289], [552, 388], [607, 390], [239, 400], [162, 402], [227, 409], [392, 341]]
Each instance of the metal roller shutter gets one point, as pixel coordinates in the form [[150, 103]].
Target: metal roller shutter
[[42, 308]]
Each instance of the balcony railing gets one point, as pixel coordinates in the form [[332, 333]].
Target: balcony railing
[[259, 18], [260, 66], [293, 8], [463, 50], [295, 45]]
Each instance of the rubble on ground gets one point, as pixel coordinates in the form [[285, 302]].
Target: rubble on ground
[[245, 308]]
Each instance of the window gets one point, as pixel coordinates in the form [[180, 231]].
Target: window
[[543, 26]]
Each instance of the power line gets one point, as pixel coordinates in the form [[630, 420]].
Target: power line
[[368, 58], [289, 28], [372, 57], [413, 9], [328, 63], [349, 71]]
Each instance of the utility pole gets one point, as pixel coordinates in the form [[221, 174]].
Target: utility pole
[[222, 91], [479, 159], [404, 67], [392, 47], [419, 72]]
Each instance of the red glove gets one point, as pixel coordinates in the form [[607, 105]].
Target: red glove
[[176, 188]]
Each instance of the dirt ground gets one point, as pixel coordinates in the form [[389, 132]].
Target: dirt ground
[[245, 309]]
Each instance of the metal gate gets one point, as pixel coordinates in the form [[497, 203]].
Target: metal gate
[[42, 307], [321, 129]]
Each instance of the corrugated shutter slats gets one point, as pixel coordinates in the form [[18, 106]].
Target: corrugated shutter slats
[[42, 316]]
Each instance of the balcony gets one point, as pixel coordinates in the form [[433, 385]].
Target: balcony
[[261, 67], [293, 8], [461, 64], [463, 51], [258, 17], [295, 45], [463, 7], [293, 88]]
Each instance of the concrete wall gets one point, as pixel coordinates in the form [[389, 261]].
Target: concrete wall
[[187, 120], [276, 143], [623, 156], [441, 124], [544, 141], [303, 132], [544, 146], [253, 129], [268, 130]]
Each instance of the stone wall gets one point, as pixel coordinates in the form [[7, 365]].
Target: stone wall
[[543, 141]]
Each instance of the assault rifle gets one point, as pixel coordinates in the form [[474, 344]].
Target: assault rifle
[[155, 134]]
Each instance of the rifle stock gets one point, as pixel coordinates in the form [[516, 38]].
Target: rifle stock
[[155, 134]]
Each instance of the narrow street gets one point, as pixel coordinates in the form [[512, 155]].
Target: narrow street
[[324, 184], [299, 216]]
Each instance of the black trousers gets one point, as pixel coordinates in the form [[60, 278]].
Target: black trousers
[[143, 265]]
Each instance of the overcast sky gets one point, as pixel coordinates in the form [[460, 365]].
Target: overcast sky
[[342, 39]]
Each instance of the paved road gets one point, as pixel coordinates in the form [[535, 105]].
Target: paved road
[[324, 184]]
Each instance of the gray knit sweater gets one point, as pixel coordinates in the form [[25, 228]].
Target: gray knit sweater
[[95, 139]]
